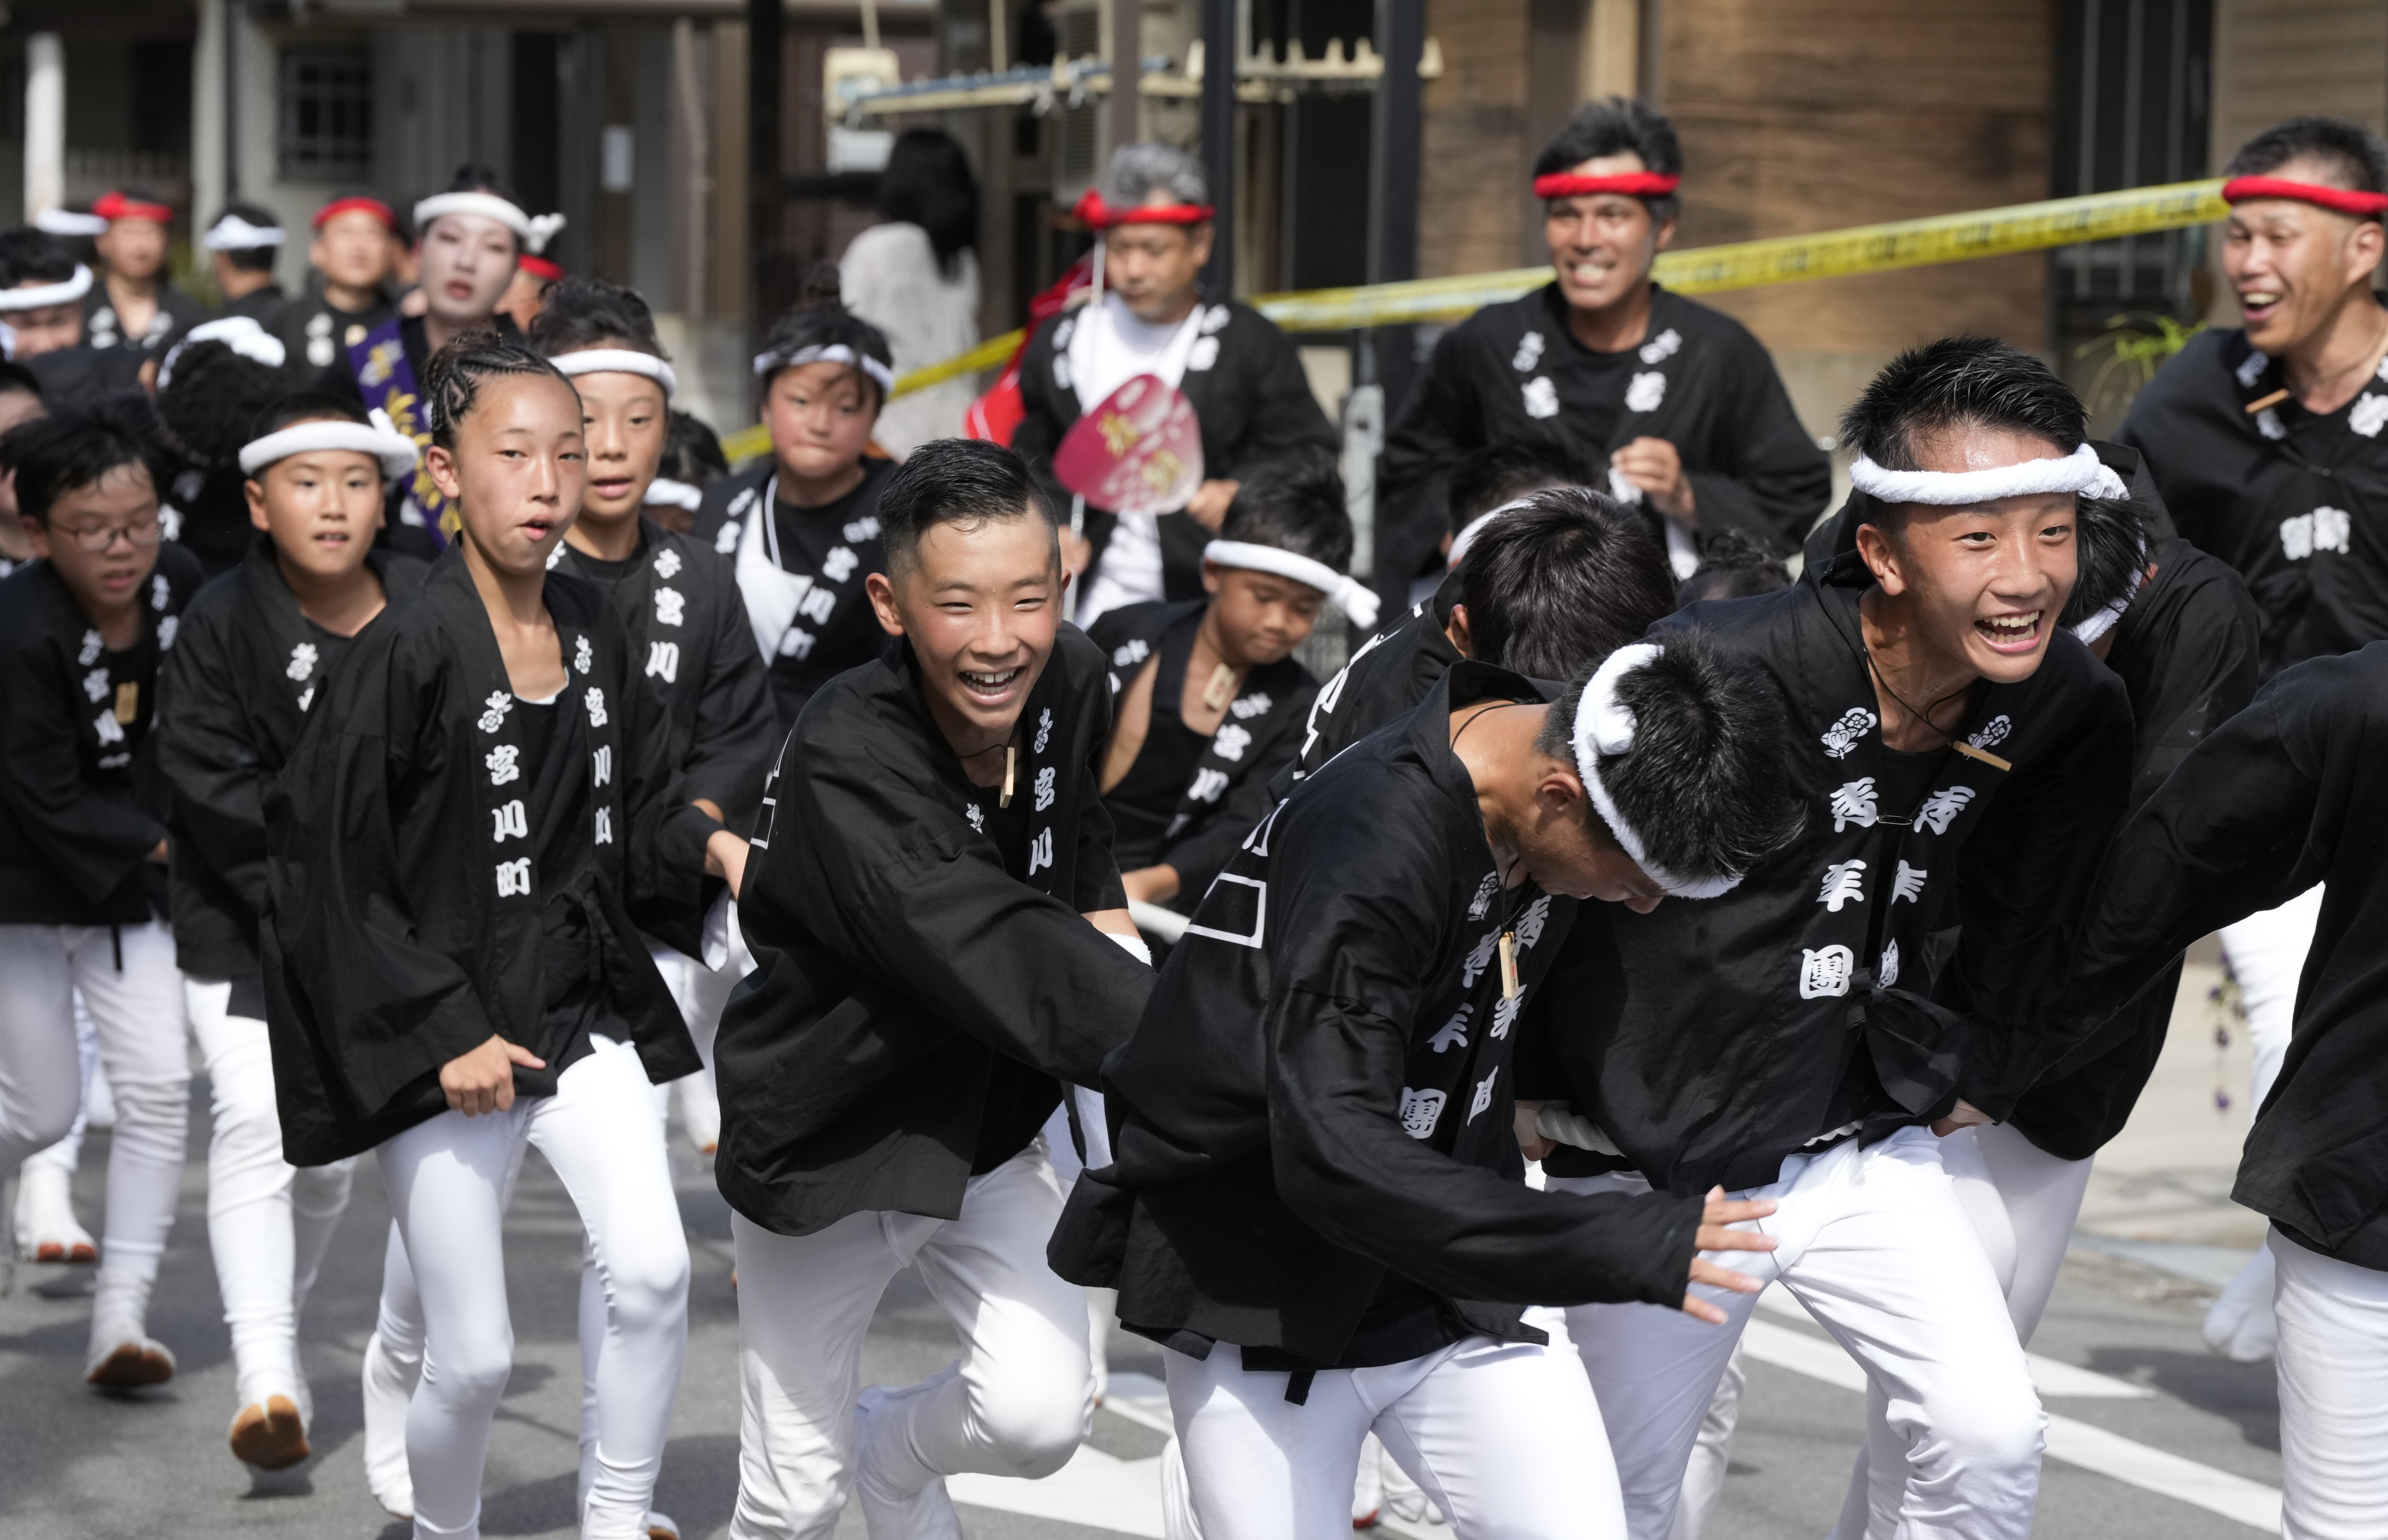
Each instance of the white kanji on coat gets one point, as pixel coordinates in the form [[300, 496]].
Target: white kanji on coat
[[666, 563], [1843, 735], [796, 644], [1041, 852], [1421, 1111], [1207, 785], [1230, 740], [1244, 708], [108, 728], [1044, 789], [839, 564], [671, 607], [604, 827], [601, 766], [1940, 809], [505, 764], [1540, 396], [977, 818], [595, 699], [93, 646], [1453, 1033], [513, 878], [1887, 974], [584, 657], [493, 711], [1478, 907], [1825, 971], [817, 605], [1483, 1097], [2333, 529], [1530, 923], [1665, 346], [663, 660], [303, 658], [1646, 391], [1529, 353], [1844, 883], [1854, 803], [1994, 732], [2368, 415], [509, 822], [1505, 1013], [1478, 959], [1907, 883], [96, 685], [1044, 731]]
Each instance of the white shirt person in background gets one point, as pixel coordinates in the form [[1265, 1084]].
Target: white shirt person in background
[[916, 278]]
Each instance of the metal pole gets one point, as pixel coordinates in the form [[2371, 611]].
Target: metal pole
[[1219, 140], [1127, 72], [764, 45], [45, 122], [1393, 181]]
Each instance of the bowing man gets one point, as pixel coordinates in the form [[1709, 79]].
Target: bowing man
[[941, 945], [1244, 380], [1777, 1040], [1316, 1204], [1679, 401]]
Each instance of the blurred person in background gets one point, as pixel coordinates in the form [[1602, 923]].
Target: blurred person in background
[[21, 400], [43, 290], [241, 246], [916, 278], [535, 273], [135, 304], [354, 253], [692, 462]]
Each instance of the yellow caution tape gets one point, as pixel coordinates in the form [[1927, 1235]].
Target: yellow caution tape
[[1708, 270]]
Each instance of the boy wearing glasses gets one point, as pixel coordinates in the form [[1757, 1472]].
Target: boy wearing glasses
[[83, 839]]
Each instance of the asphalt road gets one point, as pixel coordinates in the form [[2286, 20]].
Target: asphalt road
[[74, 1463]]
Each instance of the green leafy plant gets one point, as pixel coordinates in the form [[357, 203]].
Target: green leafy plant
[[2136, 345]]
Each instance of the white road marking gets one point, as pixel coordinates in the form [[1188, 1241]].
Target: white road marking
[[1095, 1490], [2051, 1376], [2076, 1443]]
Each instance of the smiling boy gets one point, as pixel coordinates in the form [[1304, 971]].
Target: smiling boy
[[1779, 1041], [941, 944]]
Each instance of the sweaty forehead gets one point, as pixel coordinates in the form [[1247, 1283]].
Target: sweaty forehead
[[1961, 447]]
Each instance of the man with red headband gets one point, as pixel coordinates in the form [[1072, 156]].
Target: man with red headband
[[354, 251], [134, 305], [1679, 401], [2265, 443], [1238, 371]]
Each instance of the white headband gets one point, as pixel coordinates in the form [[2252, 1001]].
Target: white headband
[[2108, 618], [835, 352], [241, 334], [617, 360], [66, 221], [1467, 537], [674, 494], [2081, 471], [385, 443], [488, 206], [1354, 599], [233, 233], [42, 295], [1605, 725]]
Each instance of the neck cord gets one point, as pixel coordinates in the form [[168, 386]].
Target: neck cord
[[1922, 716], [1472, 721]]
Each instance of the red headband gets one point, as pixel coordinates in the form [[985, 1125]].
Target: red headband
[[116, 206], [2238, 189], [1633, 184], [539, 268], [1099, 215], [337, 207]]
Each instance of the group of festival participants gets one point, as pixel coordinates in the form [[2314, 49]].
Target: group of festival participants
[[1628, 925]]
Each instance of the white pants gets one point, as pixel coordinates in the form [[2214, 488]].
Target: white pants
[[269, 1222], [1876, 1244], [2334, 1382], [1504, 1438], [1020, 1405], [701, 992], [66, 1153], [447, 1178], [2266, 954], [128, 981]]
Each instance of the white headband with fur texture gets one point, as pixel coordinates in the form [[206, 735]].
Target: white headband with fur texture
[[674, 494], [41, 296], [1352, 597], [617, 361], [534, 234], [383, 442], [233, 233], [1605, 725], [2081, 471], [834, 352]]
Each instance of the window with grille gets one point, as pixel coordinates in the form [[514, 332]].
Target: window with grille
[[326, 114]]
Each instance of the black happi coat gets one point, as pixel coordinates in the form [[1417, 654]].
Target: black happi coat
[[2187, 652], [689, 639], [2297, 503], [1249, 393], [425, 872], [1319, 1096], [896, 958], [260, 305], [177, 312], [237, 686], [1385, 676], [1229, 790], [314, 337], [1711, 1038], [2283, 796], [82, 803], [834, 628], [1701, 381]]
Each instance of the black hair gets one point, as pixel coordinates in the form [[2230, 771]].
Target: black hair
[[78, 446], [692, 452], [820, 319], [471, 177], [1960, 383], [208, 403], [253, 258], [1508, 468], [1613, 127], [928, 182], [14, 377], [1703, 783], [306, 406], [1295, 504], [1571, 576], [30, 256], [956, 481], [2110, 542], [2354, 157], [589, 312], [1736, 564], [451, 380]]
